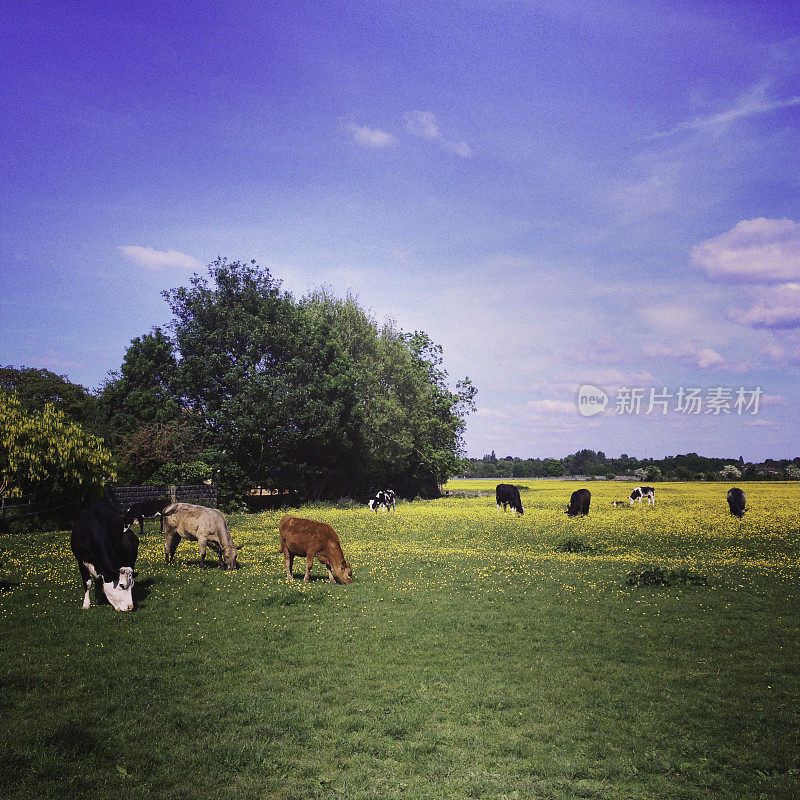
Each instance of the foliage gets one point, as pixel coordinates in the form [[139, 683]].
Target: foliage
[[35, 388], [44, 454], [575, 546], [270, 391], [658, 576], [730, 471]]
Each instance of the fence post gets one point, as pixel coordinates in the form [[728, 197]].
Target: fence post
[[173, 493]]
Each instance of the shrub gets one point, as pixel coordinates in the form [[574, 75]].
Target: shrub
[[649, 575], [575, 546]]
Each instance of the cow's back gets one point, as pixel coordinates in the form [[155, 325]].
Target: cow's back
[[97, 538], [299, 535], [190, 521]]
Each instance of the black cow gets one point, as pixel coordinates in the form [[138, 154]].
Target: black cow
[[643, 491], [105, 554], [149, 508], [508, 495], [736, 502], [579, 503], [384, 500]]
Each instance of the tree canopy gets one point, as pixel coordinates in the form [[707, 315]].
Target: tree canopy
[[276, 392], [44, 454]]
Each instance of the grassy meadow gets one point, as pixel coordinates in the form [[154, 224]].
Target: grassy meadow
[[471, 658]]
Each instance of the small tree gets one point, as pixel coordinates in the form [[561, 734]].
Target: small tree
[[44, 454], [729, 471], [793, 472]]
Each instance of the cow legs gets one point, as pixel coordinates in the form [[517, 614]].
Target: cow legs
[[309, 563], [171, 545], [201, 546], [330, 574], [86, 580], [288, 560]]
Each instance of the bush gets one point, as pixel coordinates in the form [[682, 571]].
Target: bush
[[575, 546], [657, 576]]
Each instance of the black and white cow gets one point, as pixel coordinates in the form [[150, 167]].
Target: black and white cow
[[384, 500], [105, 554], [643, 491], [736, 502], [148, 509], [579, 503], [508, 495]]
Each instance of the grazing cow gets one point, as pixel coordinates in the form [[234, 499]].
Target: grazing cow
[[508, 495], [643, 491], [312, 539], [106, 555], [384, 501], [579, 503], [206, 526], [148, 509], [736, 502]]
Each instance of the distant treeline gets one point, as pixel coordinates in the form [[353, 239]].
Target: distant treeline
[[688, 467]]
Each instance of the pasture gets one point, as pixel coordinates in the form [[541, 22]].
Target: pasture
[[471, 658]]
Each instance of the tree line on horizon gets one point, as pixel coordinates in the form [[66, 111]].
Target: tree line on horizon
[[248, 386], [595, 464]]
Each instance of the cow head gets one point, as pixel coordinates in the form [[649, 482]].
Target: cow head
[[229, 556], [119, 592], [343, 573]]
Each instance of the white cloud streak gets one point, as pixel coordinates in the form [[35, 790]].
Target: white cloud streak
[[750, 104], [158, 259], [371, 137], [423, 124]]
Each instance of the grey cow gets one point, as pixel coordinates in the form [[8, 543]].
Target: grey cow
[[206, 526]]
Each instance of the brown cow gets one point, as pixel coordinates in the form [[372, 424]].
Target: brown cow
[[206, 526], [312, 539]]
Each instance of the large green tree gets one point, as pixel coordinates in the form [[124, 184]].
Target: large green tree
[[309, 394]]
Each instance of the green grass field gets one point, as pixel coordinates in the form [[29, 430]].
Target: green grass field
[[471, 658]]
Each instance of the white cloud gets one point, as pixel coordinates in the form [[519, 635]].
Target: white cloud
[[423, 124], [548, 407], [158, 259], [786, 352], [459, 148], [371, 137], [701, 357], [777, 308], [751, 103], [753, 251], [670, 317], [606, 379], [760, 423]]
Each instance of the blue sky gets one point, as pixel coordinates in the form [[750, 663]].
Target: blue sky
[[560, 194]]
